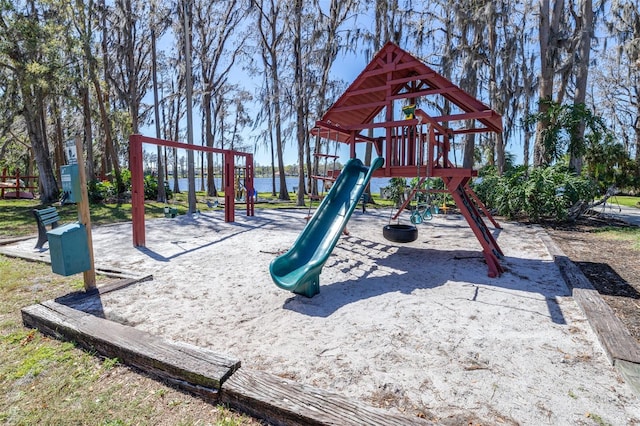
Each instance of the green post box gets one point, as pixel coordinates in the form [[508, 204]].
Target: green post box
[[69, 249], [70, 183]]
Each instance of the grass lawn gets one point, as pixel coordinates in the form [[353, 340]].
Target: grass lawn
[[626, 200], [631, 235], [46, 381]]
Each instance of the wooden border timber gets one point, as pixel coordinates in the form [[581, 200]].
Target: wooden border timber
[[620, 347], [286, 402], [11, 240], [212, 376], [163, 358], [44, 257]]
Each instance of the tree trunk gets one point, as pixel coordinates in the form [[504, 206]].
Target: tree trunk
[[189, 91], [110, 151], [88, 132], [58, 154], [299, 98], [162, 196], [33, 109], [548, 33], [584, 52]]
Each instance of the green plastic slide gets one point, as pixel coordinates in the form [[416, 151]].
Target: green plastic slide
[[298, 270]]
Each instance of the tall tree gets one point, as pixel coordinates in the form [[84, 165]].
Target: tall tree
[[327, 36], [471, 20], [272, 21], [31, 54], [215, 23], [548, 33], [157, 27], [130, 50], [187, 19], [111, 159], [84, 26], [585, 31], [622, 77], [299, 96]]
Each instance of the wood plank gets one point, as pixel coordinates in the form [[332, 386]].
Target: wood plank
[[616, 340], [176, 362], [11, 240], [281, 401], [104, 288], [90, 301], [43, 256]]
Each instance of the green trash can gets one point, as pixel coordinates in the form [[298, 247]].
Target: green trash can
[[69, 249]]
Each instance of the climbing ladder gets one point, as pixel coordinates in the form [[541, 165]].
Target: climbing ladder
[[323, 178]]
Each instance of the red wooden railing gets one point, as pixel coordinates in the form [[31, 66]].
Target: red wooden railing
[[14, 183]]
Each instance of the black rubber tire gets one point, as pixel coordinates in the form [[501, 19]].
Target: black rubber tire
[[400, 233]]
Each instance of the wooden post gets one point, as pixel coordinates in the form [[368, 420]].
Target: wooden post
[[249, 185], [17, 183], [137, 190], [4, 177], [84, 216], [229, 191]]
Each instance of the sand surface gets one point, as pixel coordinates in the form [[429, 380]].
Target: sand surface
[[417, 328]]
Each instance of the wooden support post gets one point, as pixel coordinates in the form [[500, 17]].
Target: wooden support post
[[229, 192], [249, 185], [84, 216], [137, 190], [481, 205], [491, 250]]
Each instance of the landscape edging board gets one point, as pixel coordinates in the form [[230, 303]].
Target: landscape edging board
[[619, 345]]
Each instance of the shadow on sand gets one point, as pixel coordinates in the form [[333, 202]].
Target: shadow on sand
[[408, 269]]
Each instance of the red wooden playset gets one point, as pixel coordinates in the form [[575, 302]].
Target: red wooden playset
[[418, 144]]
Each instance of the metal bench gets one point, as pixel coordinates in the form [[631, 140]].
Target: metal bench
[[44, 217]]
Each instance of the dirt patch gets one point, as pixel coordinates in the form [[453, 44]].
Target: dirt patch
[[610, 264]]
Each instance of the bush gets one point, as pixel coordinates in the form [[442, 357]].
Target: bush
[[100, 191], [396, 190], [125, 174], [539, 193], [151, 188]]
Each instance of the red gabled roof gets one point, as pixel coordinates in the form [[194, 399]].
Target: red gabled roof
[[391, 75]]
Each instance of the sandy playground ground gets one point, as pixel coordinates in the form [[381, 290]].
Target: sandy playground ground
[[417, 328]]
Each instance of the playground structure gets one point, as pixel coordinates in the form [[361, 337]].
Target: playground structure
[[418, 145], [229, 179]]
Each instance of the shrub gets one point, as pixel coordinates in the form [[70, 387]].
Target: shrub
[[397, 187], [100, 191], [151, 188], [539, 193]]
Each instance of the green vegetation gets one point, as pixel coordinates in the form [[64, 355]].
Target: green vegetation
[[538, 193], [626, 200], [45, 381]]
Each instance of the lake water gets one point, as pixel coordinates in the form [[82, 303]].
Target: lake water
[[265, 184]]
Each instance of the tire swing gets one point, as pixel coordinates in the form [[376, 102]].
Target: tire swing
[[399, 233]]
